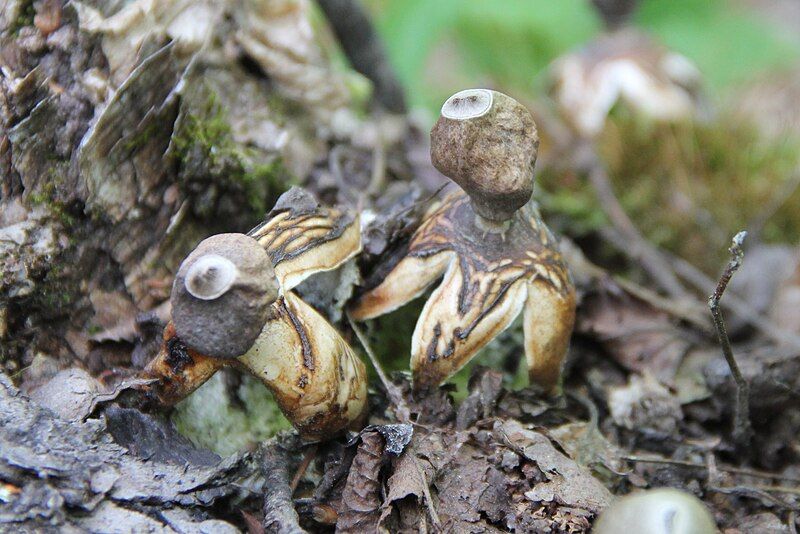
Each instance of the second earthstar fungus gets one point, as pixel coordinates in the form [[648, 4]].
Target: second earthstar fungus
[[497, 256], [233, 304]]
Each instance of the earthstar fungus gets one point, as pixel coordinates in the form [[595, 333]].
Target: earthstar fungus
[[497, 255], [233, 304]]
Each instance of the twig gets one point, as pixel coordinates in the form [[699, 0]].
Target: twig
[[637, 246], [754, 493], [301, 470], [728, 469], [700, 281], [395, 395], [351, 23], [742, 430], [279, 513], [427, 494]]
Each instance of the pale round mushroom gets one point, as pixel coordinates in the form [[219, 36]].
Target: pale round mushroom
[[656, 511]]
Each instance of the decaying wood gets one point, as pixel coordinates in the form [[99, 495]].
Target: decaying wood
[[276, 465], [73, 476]]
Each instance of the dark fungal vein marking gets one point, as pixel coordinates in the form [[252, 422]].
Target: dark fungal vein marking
[[335, 227], [464, 334], [308, 353]]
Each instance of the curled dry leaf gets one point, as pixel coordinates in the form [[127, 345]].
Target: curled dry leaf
[[361, 499]]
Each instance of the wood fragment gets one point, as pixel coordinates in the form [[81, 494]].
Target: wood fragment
[[742, 429]]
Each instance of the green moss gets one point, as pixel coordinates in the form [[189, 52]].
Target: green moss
[[205, 133], [688, 187], [24, 18], [47, 196], [53, 293], [206, 129], [224, 423]]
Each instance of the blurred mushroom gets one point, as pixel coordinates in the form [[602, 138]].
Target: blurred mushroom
[[496, 254], [627, 66], [656, 511], [232, 304]]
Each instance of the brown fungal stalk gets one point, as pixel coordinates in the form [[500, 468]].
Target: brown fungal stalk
[[497, 256], [232, 304]]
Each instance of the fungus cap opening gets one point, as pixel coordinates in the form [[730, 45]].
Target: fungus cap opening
[[210, 277], [467, 104]]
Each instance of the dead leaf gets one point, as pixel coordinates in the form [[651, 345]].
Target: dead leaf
[[407, 483], [638, 336], [567, 484], [485, 386], [585, 444], [361, 499], [646, 406]]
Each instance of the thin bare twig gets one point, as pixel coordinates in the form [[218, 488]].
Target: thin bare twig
[[279, 513], [700, 281], [395, 395], [755, 473], [301, 469], [760, 494], [742, 430]]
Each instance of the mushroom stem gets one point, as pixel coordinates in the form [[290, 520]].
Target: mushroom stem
[[488, 225], [318, 381]]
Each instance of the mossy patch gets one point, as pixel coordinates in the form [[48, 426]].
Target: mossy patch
[[227, 421], [25, 14], [688, 187], [204, 145], [47, 196]]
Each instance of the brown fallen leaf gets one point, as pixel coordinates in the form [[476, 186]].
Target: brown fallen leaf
[[407, 490], [635, 334], [361, 499], [585, 444], [567, 483]]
